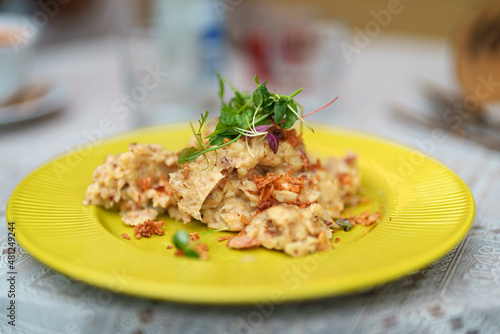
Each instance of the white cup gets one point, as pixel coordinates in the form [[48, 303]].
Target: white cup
[[16, 45]]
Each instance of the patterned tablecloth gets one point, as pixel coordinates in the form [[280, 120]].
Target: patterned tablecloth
[[459, 293]]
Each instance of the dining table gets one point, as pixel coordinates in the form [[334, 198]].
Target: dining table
[[458, 293]]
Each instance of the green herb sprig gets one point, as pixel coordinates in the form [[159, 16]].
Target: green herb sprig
[[246, 115], [182, 241]]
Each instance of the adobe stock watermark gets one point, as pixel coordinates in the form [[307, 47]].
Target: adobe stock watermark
[[372, 29], [453, 119], [32, 25], [291, 280], [224, 6], [121, 108]]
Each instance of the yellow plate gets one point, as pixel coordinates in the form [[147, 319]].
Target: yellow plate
[[426, 210]]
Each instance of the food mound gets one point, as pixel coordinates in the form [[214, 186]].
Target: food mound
[[267, 190], [280, 201]]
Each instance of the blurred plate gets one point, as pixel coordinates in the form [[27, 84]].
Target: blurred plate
[[426, 210], [34, 100]]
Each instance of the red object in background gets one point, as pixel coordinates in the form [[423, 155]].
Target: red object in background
[[288, 45], [258, 50], [295, 44]]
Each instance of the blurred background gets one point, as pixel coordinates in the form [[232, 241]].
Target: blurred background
[[91, 68]]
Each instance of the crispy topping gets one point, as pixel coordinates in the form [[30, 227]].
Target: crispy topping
[[164, 189], [147, 228], [365, 219], [316, 165], [305, 159], [271, 182], [225, 237], [125, 235], [302, 205], [146, 183], [244, 242], [169, 247], [291, 137], [244, 220], [202, 250], [179, 253], [350, 158], [266, 205], [345, 178], [194, 236]]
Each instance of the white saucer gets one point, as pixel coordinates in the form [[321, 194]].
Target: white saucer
[[34, 100]]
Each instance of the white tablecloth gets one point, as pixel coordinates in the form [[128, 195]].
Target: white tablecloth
[[460, 293]]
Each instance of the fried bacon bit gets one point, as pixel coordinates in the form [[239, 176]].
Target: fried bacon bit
[[271, 182], [345, 178], [266, 205], [194, 236], [202, 250], [365, 219], [225, 237], [160, 189], [186, 172], [179, 253], [302, 205], [350, 158], [305, 159], [239, 235], [166, 186], [244, 220], [125, 235], [146, 183], [164, 189], [163, 180], [147, 228], [291, 137], [316, 165], [323, 242], [244, 242], [337, 240], [169, 247]]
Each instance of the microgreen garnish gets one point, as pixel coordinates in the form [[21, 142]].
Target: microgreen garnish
[[245, 115], [212, 231], [188, 153]]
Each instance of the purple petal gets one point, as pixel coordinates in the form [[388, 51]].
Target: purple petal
[[273, 142], [263, 128]]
